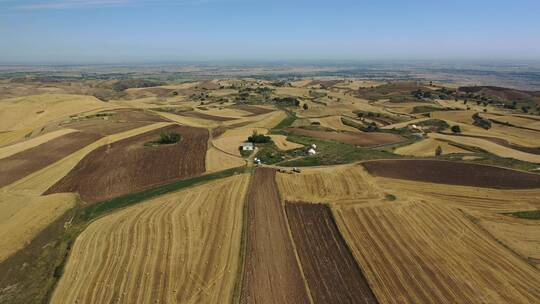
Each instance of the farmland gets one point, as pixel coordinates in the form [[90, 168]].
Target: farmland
[[181, 247], [136, 191], [139, 166], [271, 273]]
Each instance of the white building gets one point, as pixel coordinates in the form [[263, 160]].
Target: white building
[[311, 151], [247, 146]]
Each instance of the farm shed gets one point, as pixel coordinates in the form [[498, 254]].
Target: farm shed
[[247, 146]]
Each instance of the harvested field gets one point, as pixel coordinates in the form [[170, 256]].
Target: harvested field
[[129, 166], [453, 173], [22, 217], [254, 110], [522, 236], [271, 272], [231, 140], [334, 122], [332, 274], [38, 182], [421, 253], [283, 144], [37, 110], [181, 247], [462, 197], [328, 185], [201, 115], [353, 138], [503, 142], [427, 147], [119, 121], [490, 146], [21, 164], [217, 160], [267, 121], [31, 143], [190, 121]]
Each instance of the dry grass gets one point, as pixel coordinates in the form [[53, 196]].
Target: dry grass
[[19, 147], [334, 122], [339, 184], [231, 140], [23, 216], [283, 144], [11, 137], [427, 147], [424, 253], [179, 248], [489, 146], [34, 111], [522, 236], [217, 160]]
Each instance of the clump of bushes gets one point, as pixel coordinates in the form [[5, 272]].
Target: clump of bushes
[[456, 129], [257, 138], [168, 138], [481, 122]]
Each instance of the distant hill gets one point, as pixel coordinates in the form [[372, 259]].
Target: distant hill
[[504, 94]]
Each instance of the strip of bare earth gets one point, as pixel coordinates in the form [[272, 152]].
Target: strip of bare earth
[[271, 272], [330, 269]]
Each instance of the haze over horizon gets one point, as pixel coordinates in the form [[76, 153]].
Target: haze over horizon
[[116, 31]]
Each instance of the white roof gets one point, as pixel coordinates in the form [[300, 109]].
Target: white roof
[[247, 144]]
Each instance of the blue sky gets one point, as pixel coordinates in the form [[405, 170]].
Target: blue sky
[[124, 31]]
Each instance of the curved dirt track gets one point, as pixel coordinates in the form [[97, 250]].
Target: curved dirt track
[[271, 272], [182, 247], [353, 138], [453, 173], [128, 165]]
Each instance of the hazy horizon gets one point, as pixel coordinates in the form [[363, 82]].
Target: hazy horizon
[[163, 31]]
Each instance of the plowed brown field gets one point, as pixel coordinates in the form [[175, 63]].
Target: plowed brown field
[[271, 272], [128, 165], [332, 274], [196, 114], [353, 138], [454, 173], [23, 163], [422, 253], [254, 110], [179, 248]]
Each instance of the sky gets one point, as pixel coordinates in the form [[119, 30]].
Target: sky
[[146, 31]]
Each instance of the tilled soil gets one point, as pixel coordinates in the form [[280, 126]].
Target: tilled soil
[[254, 110], [195, 114], [453, 173], [28, 161], [332, 274], [353, 138], [128, 165], [271, 272]]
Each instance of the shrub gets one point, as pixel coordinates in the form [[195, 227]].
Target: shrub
[[438, 151], [257, 138], [169, 138], [481, 122], [456, 129]]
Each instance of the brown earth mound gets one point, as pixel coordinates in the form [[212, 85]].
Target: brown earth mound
[[354, 138], [453, 173], [271, 273], [205, 116], [332, 274], [128, 165], [28, 161], [254, 110]]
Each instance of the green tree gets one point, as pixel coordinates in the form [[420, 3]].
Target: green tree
[[438, 151]]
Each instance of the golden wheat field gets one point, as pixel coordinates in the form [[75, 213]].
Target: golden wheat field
[[182, 247], [427, 147], [22, 217], [338, 184], [424, 253], [217, 160]]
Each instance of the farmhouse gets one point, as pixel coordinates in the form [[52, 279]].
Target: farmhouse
[[247, 146]]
